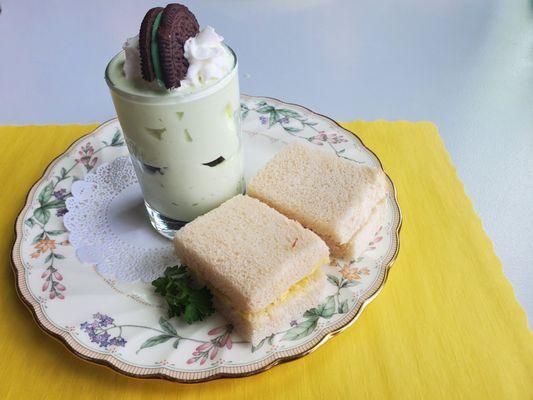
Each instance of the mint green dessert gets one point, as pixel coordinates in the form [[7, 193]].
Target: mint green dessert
[[184, 142]]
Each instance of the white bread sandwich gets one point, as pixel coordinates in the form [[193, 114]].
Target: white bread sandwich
[[262, 268], [340, 200]]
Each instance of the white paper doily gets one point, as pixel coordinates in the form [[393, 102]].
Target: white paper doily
[[109, 226]]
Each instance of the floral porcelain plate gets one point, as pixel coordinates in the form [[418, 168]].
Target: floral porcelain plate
[[123, 325]]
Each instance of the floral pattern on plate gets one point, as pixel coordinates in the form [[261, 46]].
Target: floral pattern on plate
[[46, 242]]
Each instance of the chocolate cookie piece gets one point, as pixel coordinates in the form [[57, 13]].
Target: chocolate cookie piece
[[145, 40], [177, 25]]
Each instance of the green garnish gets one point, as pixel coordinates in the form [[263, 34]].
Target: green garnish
[[182, 298]]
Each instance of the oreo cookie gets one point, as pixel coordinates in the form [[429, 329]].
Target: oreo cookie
[[145, 40], [177, 25], [161, 39]]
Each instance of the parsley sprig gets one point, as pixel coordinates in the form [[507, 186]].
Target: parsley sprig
[[177, 288]]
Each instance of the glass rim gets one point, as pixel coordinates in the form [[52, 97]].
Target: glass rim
[[169, 96]]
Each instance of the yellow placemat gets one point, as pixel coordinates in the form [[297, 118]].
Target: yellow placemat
[[446, 325]]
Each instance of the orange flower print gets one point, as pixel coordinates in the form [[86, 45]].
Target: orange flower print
[[354, 274], [44, 245]]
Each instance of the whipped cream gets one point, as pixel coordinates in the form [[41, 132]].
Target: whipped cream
[[209, 60], [132, 66]]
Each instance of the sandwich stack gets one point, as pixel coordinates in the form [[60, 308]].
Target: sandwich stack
[[340, 200], [263, 269]]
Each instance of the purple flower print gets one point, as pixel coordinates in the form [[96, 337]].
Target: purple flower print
[[103, 320], [60, 194], [61, 211], [263, 120], [97, 330], [118, 341]]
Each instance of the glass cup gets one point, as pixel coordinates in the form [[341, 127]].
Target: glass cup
[[186, 146]]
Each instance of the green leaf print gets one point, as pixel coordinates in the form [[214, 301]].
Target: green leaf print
[[167, 327], [343, 307], [54, 204], [301, 330], [117, 139], [333, 280], [265, 109], [56, 232], [327, 309], [288, 113], [155, 340], [292, 129], [46, 193], [274, 117], [42, 215], [38, 237]]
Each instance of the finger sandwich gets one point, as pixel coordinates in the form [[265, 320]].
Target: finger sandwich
[[262, 268], [340, 200]]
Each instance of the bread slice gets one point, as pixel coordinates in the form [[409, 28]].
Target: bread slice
[[361, 239], [332, 196], [251, 256]]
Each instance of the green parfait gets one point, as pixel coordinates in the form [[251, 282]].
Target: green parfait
[[185, 144]]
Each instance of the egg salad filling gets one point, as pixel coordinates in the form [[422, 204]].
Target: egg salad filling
[[316, 272]]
